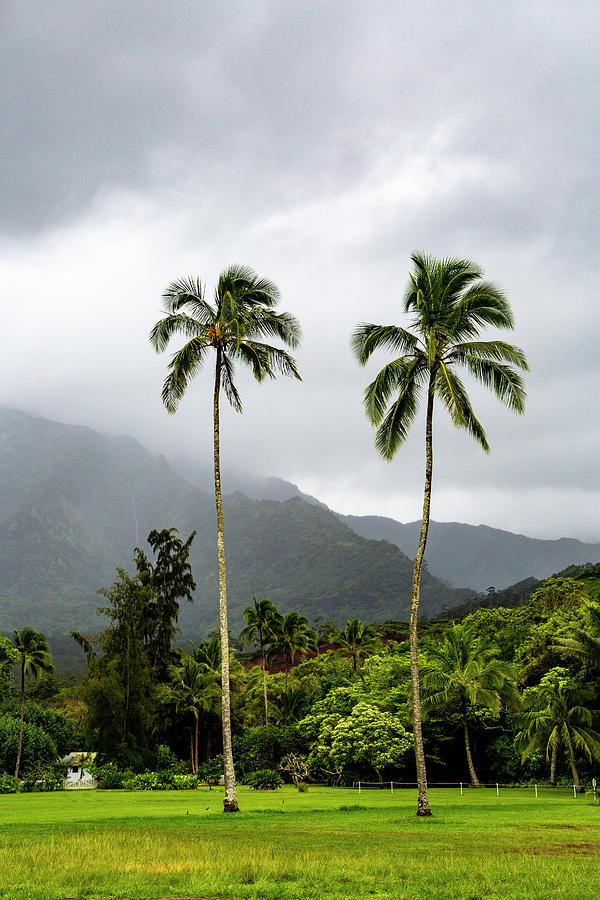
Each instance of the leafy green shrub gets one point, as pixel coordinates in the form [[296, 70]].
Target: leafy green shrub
[[110, 776], [43, 783], [211, 771], [165, 758], [263, 780], [151, 781], [185, 782], [9, 784], [302, 787]]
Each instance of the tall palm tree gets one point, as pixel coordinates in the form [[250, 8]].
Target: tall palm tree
[[356, 639], [291, 635], [231, 328], [261, 620], [466, 671], [34, 660], [552, 718], [449, 303]]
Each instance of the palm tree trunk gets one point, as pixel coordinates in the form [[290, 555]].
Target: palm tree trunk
[[230, 803], [471, 767], [553, 760], [196, 717], [423, 799], [18, 763], [574, 772]]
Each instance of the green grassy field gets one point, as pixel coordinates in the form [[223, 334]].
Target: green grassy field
[[328, 843]]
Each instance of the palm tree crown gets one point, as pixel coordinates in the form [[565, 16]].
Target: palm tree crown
[[449, 303], [243, 310]]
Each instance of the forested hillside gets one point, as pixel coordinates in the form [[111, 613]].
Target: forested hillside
[[74, 504], [478, 556]]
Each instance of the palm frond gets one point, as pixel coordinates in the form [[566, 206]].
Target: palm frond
[[507, 384], [176, 323], [272, 360], [482, 305], [452, 392], [183, 367], [393, 377], [266, 323], [367, 338], [228, 384], [394, 428], [499, 351]]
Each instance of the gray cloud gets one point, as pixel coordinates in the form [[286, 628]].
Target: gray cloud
[[321, 143]]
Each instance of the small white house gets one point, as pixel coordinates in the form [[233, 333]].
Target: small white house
[[77, 775]]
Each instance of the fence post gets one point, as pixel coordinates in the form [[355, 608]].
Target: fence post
[[497, 790], [536, 792], [392, 787], [574, 793], [461, 789], [359, 787]]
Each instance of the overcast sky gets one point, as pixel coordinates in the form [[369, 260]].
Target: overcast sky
[[320, 143]]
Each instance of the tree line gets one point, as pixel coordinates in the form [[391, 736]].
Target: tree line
[[509, 694]]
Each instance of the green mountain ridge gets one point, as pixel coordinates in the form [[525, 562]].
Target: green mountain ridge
[[74, 504]]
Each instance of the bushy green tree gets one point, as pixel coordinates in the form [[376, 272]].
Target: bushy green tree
[[36, 749]]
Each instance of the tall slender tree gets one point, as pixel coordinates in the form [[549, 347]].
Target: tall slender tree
[[449, 303], [232, 328], [34, 660], [262, 620]]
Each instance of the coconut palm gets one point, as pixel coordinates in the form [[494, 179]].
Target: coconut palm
[[552, 719], [465, 671], [449, 303], [261, 620], [356, 639], [231, 328], [292, 635], [34, 660], [194, 689]]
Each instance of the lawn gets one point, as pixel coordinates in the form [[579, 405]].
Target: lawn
[[327, 843]]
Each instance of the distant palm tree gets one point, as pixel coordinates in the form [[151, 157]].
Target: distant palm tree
[[552, 718], [291, 635], [261, 620], [466, 671], [584, 643], [242, 313], [34, 660], [357, 639], [449, 303], [194, 689], [290, 706]]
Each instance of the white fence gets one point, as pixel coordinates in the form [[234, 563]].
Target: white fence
[[88, 784]]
